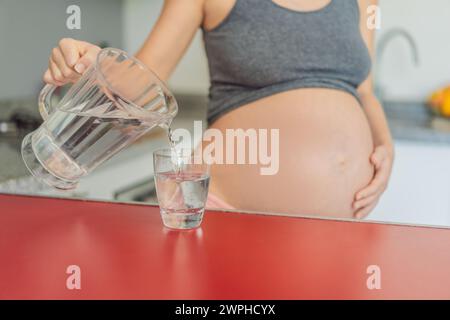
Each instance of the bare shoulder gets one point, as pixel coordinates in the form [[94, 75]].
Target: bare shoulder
[[195, 3], [185, 6], [215, 11]]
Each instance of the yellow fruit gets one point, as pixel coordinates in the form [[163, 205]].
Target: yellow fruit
[[439, 101], [445, 107], [446, 91], [436, 99]]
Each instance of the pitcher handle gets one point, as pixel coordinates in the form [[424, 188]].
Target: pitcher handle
[[45, 105]]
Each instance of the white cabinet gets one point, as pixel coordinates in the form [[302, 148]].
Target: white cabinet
[[419, 189]]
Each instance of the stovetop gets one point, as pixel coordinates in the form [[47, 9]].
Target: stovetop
[[17, 118]]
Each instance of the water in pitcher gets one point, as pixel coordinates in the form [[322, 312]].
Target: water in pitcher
[[80, 141]]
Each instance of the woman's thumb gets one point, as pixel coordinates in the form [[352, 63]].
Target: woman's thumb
[[86, 60], [377, 157]]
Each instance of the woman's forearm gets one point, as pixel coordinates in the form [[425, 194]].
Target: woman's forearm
[[171, 35], [377, 120]]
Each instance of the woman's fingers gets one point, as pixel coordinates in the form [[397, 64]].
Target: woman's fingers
[[69, 51], [377, 185], [69, 60], [57, 76], [364, 211], [367, 198], [67, 72], [48, 78], [364, 202], [86, 59], [378, 157]]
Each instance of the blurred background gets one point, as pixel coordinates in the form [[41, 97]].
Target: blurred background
[[411, 72]]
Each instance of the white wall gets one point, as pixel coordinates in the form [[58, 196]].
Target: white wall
[[30, 29], [191, 75], [428, 21]]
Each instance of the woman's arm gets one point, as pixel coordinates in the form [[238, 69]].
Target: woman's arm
[[372, 106], [383, 155], [171, 35], [166, 44]]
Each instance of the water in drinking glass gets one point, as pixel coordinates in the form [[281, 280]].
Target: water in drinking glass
[[182, 197]]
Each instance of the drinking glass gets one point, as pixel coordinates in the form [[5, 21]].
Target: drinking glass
[[182, 182]]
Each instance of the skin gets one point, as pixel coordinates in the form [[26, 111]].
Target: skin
[[335, 157]]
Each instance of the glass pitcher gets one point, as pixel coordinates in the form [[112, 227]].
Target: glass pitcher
[[116, 101]]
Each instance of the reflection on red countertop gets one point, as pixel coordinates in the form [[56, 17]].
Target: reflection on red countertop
[[124, 252]]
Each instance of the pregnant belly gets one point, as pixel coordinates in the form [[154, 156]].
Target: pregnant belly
[[324, 148]]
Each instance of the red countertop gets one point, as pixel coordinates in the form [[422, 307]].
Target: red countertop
[[124, 252]]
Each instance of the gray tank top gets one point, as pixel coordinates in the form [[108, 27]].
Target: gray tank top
[[262, 48]]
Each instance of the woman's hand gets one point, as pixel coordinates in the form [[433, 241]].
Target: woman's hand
[[69, 60], [365, 200]]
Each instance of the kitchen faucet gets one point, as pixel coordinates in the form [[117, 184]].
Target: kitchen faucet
[[382, 44]]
